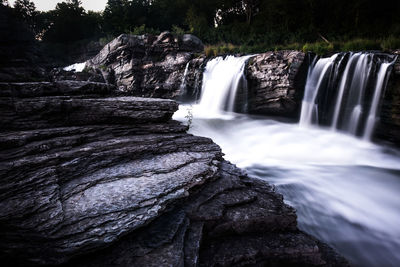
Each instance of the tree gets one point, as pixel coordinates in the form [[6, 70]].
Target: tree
[[69, 22]]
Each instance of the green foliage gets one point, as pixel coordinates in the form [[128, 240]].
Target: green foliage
[[320, 48], [390, 43], [142, 29], [360, 44], [105, 40], [178, 30], [189, 117]]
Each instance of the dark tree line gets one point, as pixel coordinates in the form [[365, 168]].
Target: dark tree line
[[235, 21]]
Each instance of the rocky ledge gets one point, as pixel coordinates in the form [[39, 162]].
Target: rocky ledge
[[88, 179]]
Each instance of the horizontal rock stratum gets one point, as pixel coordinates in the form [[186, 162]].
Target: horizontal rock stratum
[[90, 179]]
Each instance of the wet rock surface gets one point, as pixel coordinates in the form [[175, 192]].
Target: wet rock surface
[[276, 83], [90, 179]]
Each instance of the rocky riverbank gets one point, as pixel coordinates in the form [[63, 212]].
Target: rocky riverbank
[[89, 179]]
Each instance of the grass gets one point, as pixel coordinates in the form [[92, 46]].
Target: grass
[[321, 48]]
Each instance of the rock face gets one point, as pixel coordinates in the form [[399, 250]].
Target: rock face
[[89, 179], [276, 82], [147, 65], [388, 128]]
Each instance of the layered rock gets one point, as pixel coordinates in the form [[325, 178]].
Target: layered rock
[[147, 65], [78, 172], [89, 179], [276, 82]]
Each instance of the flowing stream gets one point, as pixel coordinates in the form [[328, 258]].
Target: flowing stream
[[345, 189]]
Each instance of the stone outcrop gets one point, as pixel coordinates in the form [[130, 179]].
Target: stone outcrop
[[147, 65], [276, 82], [90, 179]]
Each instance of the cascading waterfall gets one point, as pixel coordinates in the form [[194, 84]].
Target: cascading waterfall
[[344, 91], [345, 190], [221, 81]]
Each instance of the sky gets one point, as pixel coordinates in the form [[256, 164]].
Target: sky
[[44, 5]]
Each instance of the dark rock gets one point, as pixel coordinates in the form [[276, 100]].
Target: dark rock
[[69, 185], [192, 43], [388, 127], [59, 88], [90, 75], [276, 83], [146, 65]]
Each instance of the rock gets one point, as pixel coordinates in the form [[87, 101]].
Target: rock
[[147, 65], [78, 172], [276, 83], [231, 221], [90, 75], [59, 88], [192, 43], [90, 179], [388, 127]]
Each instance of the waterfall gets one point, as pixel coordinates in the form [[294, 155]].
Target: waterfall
[[183, 82], [222, 79], [381, 83], [344, 91]]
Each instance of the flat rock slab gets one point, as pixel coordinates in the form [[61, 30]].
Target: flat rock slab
[[58, 111], [58, 88]]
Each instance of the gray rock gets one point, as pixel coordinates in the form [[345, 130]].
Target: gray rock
[[276, 83], [192, 43], [146, 65]]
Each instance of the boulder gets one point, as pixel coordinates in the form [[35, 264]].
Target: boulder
[[147, 65], [276, 83]]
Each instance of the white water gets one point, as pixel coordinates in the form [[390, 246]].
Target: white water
[[380, 85], [77, 67], [183, 82], [221, 80], [350, 105], [315, 77], [345, 189]]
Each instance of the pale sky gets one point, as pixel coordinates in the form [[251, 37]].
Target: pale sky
[[44, 5]]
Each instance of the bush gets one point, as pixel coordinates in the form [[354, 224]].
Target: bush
[[390, 43], [320, 48], [177, 30], [360, 44]]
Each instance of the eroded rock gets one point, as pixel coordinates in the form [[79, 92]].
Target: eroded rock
[[276, 83], [147, 65]]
